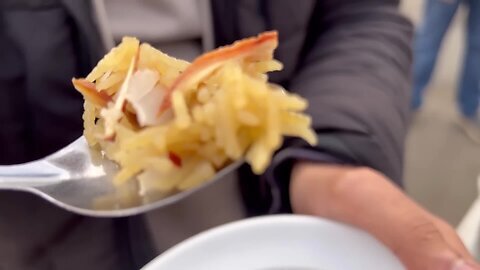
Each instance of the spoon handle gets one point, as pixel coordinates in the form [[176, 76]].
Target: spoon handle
[[31, 174]]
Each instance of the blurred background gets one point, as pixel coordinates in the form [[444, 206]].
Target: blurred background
[[442, 164]]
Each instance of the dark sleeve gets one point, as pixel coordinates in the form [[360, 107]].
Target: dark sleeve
[[355, 73]]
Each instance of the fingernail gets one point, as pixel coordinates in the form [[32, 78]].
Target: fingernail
[[462, 265]]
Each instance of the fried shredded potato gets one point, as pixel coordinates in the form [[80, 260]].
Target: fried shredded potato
[[172, 125]]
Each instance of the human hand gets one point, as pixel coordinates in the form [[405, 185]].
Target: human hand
[[367, 199]]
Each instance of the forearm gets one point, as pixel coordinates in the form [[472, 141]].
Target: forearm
[[351, 195]]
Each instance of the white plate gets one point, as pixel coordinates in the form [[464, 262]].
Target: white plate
[[279, 242]]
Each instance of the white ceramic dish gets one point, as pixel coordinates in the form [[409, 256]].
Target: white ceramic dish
[[279, 242]]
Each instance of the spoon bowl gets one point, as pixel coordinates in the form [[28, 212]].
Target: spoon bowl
[[79, 180]]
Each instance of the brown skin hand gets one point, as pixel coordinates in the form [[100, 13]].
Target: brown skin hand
[[366, 199]]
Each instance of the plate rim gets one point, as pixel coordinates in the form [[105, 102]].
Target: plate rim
[[245, 224]]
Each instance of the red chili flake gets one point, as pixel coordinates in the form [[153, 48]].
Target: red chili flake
[[176, 160], [110, 138]]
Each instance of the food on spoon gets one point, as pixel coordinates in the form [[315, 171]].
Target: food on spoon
[[171, 125]]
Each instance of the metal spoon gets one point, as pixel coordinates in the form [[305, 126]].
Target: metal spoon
[[78, 180]]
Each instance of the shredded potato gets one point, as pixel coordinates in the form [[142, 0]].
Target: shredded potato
[[204, 115]]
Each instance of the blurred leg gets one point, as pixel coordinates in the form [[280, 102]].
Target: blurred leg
[[469, 92], [437, 18]]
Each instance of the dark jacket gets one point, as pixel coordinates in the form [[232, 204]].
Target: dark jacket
[[350, 58]]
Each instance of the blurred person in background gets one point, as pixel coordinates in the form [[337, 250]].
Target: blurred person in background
[[349, 58], [437, 18]]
